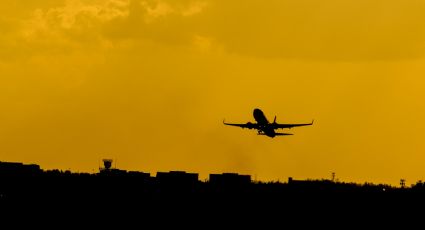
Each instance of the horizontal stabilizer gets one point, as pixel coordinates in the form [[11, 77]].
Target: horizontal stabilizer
[[277, 134]]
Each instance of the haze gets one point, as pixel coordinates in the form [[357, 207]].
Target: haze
[[148, 84]]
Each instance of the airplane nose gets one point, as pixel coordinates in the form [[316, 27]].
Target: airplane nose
[[257, 111]]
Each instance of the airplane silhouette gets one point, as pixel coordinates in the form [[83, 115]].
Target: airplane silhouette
[[264, 127]]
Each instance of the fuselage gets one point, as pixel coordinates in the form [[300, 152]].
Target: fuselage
[[263, 123]]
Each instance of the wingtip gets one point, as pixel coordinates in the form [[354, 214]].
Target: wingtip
[[312, 121]]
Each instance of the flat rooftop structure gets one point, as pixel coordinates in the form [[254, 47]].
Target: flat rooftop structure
[[177, 178], [229, 179], [137, 173], [18, 168]]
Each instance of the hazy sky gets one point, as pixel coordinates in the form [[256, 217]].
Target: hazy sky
[[148, 83]]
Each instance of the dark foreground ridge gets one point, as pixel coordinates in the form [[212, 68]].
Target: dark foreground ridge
[[27, 190]]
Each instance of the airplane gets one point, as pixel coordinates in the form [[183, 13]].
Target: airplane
[[266, 128]]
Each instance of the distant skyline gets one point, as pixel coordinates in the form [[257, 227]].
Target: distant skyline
[[149, 82]]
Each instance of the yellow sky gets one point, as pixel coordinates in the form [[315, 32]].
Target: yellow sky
[[148, 83]]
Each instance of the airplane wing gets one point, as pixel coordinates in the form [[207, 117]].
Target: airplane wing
[[248, 125], [283, 126]]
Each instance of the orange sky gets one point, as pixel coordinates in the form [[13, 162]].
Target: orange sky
[[148, 83]]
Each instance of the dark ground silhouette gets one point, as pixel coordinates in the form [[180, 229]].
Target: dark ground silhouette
[[181, 199]]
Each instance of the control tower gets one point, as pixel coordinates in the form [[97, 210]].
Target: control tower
[[107, 163]]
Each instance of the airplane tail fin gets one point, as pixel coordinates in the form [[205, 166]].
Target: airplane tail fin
[[274, 121]]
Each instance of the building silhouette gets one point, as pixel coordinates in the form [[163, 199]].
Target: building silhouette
[[18, 169], [229, 180], [180, 197]]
